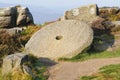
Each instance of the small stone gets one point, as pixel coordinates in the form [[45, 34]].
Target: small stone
[[27, 70]]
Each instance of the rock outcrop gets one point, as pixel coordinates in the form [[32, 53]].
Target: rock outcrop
[[110, 13], [60, 39], [24, 16], [8, 17], [15, 62], [15, 16], [84, 13], [102, 20]]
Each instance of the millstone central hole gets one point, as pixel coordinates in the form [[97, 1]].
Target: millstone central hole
[[59, 37]]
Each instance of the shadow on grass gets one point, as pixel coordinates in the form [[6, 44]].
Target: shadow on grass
[[103, 41], [47, 62]]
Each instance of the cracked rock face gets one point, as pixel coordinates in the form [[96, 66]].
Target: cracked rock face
[[60, 39], [15, 16], [24, 16]]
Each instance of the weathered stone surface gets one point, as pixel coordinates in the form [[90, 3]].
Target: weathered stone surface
[[60, 39], [24, 16], [13, 62], [7, 11], [98, 24], [7, 17], [27, 70], [14, 31], [15, 16], [84, 13], [5, 21]]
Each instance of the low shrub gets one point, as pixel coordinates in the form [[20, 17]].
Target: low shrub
[[8, 44], [14, 43], [17, 75], [27, 33], [112, 15]]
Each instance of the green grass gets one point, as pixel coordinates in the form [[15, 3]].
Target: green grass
[[38, 68], [111, 72], [93, 55]]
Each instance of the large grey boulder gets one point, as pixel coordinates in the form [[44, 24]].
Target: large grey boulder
[[60, 39], [13, 63], [84, 13], [24, 16], [7, 17], [15, 16]]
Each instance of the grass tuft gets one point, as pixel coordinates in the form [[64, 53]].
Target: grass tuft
[[111, 72], [93, 55]]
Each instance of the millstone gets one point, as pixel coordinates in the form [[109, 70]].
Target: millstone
[[60, 39]]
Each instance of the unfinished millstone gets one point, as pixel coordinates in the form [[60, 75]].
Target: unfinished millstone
[[60, 39], [84, 13]]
